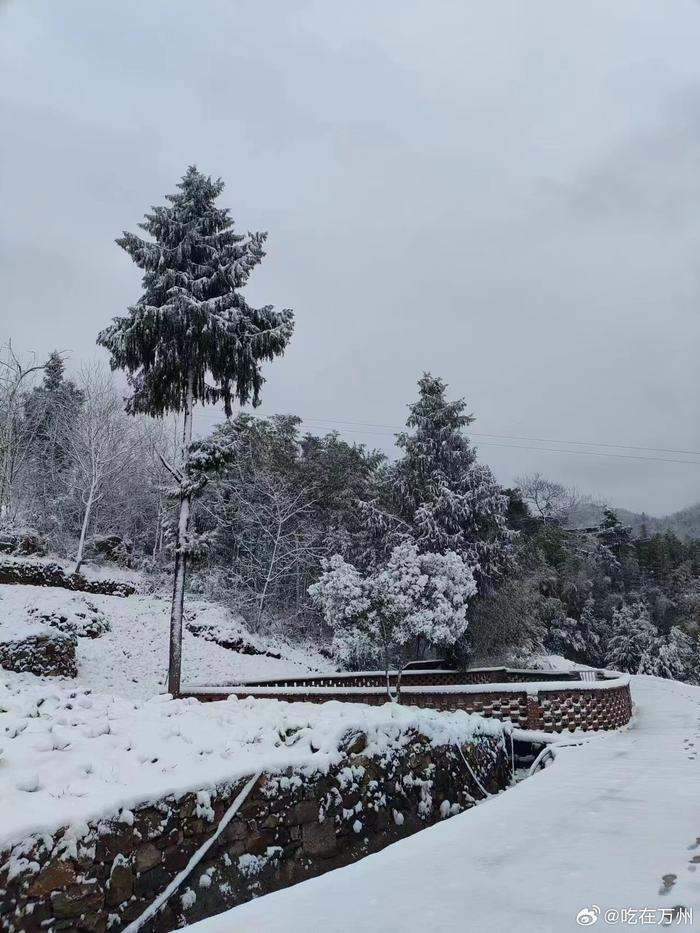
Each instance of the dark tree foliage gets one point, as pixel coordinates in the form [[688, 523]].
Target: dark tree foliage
[[443, 494], [192, 337], [192, 327]]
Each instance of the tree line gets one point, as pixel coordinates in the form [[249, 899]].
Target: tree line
[[384, 562]]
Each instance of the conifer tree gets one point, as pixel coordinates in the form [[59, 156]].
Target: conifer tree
[[634, 644], [192, 337], [449, 500]]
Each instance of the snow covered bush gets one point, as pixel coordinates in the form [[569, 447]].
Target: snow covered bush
[[678, 657], [415, 601], [580, 639], [636, 646], [633, 644]]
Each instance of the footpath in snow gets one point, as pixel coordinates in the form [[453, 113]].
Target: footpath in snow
[[613, 824]]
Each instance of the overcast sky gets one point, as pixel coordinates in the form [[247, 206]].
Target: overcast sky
[[505, 193]]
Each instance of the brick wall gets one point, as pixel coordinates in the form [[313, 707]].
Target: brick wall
[[427, 678], [603, 704]]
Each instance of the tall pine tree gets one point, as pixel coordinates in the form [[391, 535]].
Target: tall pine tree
[[192, 337], [446, 497]]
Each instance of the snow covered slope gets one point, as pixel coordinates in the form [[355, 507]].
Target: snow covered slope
[[131, 658], [600, 828]]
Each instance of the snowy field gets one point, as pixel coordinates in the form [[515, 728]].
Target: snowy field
[[131, 659], [73, 750], [612, 824]]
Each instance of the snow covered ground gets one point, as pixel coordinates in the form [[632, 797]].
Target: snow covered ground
[[131, 659], [71, 755], [612, 824]]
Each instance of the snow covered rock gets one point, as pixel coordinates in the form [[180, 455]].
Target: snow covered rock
[[46, 653]]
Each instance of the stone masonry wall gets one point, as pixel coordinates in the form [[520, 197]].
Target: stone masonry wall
[[47, 655], [292, 826], [37, 573]]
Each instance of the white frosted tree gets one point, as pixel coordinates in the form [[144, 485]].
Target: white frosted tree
[[548, 500], [634, 642], [193, 338], [271, 521], [414, 599], [678, 657], [449, 500]]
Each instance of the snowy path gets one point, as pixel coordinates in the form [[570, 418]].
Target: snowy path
[[602, 826]]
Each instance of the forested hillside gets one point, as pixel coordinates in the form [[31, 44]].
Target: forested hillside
[[684, 524], [378, 562]]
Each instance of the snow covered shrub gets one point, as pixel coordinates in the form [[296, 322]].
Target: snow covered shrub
[[112, 548], [678, 657], [635, 646], [22, 542], [634, 642], [566, 637], [415, 601], [581, 639]]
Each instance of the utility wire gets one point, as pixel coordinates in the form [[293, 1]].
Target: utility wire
[[391, 430], [554, 450], [520, 437]]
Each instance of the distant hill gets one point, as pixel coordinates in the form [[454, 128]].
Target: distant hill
[[684, 524]]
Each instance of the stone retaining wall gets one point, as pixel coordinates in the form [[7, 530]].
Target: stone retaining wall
[[47, 573], [293, 825], [48, 655]]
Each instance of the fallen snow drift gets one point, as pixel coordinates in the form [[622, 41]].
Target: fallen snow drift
[[71, 755]]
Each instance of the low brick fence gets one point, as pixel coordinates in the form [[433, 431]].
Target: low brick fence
[[535, 700]]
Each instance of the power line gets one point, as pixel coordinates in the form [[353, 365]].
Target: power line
[[393, 429], [520, 437], [575, 453]]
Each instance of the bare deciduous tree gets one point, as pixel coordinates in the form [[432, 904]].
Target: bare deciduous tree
[[99, 444], [276, 540], [549, 500], [15, 432]]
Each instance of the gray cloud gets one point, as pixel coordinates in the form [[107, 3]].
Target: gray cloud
[[650, 178], [503, 193]]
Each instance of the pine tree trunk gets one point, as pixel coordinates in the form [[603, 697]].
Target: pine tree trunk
[[176, 612]]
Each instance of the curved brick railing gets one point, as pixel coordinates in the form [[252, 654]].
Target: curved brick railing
[[551, 701]]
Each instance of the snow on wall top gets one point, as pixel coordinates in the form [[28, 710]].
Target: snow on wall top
[[530, 687]]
